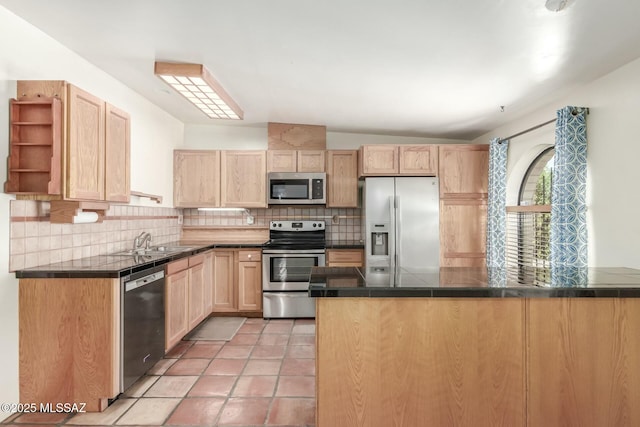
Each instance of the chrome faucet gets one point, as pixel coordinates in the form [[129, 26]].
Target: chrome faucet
[[143, 238]]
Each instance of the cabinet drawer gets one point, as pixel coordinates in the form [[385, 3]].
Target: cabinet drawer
[[253, 255], [345, 257], [177, 266], [196, 260]]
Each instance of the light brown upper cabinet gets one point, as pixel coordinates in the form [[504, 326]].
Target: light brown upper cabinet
[[464, 171], [295, 161], [91, 140], [243, 176], [117, 172], [85, 149], [418, 160], [196, 178], [342, 179], [394, 160]]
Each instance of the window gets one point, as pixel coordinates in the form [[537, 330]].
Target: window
[[528, 224], [536, 185]]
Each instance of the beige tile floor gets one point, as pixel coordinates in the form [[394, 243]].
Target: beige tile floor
[[264, 376]]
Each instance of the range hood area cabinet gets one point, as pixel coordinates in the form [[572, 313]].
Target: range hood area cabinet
[[82, 152], [398, 160], [295, 161], [213, 179]]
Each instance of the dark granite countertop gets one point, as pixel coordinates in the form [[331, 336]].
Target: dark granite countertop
[[469, 282], [345, 244], [105, 266]]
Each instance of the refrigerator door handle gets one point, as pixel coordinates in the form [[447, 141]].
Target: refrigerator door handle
[[398, 232], [392, 233]]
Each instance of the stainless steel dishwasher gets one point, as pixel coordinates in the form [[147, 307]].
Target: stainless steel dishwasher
[[142, 323]]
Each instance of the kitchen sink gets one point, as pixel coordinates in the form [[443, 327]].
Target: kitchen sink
[[154, 250]]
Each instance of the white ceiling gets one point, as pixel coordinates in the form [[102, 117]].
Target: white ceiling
[[404, 67]]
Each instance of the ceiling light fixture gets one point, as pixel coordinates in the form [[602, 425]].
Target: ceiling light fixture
[[197, 85], [555, 5]]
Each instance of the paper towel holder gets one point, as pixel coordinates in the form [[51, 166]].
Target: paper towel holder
[[64, 211]]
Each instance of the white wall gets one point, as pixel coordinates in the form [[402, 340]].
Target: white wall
[[613, 171], [26, 53], [215, 137]]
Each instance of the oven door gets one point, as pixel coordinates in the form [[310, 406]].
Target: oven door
[[288, 270]]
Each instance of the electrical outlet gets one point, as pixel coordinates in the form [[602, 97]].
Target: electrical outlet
[[335, 219], [249, 219], [180, 218]]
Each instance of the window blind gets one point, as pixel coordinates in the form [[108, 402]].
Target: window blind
[[527, 244]]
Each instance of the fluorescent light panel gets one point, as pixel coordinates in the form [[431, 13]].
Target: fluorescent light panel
[[197, 85]]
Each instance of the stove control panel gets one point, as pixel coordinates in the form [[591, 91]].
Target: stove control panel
[[297, 225]]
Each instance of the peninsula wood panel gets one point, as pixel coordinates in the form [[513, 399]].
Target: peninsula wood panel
[[420, 362], [85, 146], [243, 179], [342, 178], [69, 341], [418, 160], [196, 175], [584, 362], [117, 153]]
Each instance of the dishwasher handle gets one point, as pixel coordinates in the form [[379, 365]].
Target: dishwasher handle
[[143, 281]]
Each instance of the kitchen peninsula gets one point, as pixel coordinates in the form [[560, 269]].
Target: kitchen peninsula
[[447, 346]]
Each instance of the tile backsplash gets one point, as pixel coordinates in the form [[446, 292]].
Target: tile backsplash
[[341, 224], [34, 240]]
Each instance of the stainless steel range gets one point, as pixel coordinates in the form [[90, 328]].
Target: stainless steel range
[[293, 248]]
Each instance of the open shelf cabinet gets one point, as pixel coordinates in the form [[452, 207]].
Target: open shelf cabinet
[[35, 134]]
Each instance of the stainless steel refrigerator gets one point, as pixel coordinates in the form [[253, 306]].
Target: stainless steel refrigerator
[[402, 225]]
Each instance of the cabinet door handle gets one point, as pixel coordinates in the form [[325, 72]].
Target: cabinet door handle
[[249, 256]]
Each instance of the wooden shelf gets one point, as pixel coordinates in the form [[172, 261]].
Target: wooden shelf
[[155, 197], [64, 211], [31, 123], [32, 144], [34, 163]]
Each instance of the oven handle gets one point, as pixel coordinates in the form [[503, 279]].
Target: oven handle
[[293, 252]]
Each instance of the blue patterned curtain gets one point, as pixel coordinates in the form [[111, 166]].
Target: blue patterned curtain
[[496, 214], [568, 239]]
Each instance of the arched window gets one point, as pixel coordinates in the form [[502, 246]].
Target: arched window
[[535, 188]]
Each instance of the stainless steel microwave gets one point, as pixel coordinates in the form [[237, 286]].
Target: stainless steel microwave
[[291, 188]]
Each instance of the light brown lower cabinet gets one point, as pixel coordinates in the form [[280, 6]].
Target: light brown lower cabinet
[[237, 284], [345, 257], [184, 297], [224, 299], [176, 291], [463, 226], [69, 333], [477, 362]]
